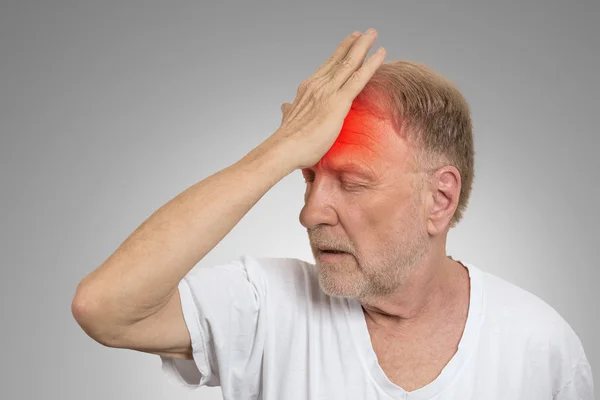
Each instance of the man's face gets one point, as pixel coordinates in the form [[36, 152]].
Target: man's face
[[359, 200]]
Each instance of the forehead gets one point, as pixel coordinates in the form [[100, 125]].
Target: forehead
[[365, 142]]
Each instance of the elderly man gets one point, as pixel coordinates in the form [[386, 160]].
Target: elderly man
[[387, 153]]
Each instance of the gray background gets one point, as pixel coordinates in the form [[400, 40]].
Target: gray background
[[109, 109]]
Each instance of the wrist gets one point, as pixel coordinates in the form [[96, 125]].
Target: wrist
[[273, 156]]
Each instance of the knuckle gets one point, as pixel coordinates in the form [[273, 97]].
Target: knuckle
[[305, 85], [346, 62], [356, 76], [331, 60], [311, 85]]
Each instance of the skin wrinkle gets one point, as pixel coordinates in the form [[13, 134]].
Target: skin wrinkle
[[382, 225], [359, 143]]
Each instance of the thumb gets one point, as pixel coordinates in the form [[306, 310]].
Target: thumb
[[285, 109]]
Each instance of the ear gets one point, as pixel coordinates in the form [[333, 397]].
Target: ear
[[442, 199]]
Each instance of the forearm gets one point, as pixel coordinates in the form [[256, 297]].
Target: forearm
[[143, 273]]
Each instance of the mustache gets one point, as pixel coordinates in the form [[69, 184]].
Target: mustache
[[320, 240]]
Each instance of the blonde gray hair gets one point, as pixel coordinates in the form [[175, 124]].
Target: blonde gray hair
[[431, 114]]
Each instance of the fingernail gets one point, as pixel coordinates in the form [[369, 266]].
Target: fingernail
[[355, 34], [370, 31]]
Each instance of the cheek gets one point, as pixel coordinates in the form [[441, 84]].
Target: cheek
[[366, 226], [393, 221], [384, 209]]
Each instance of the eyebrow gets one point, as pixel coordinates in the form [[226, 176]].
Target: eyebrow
[[356, 169], [353, 169]]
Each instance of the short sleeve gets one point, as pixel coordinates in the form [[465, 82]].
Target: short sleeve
[[223, 311], [581, 386]]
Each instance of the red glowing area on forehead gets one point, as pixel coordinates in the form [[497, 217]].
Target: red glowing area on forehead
[[365, 144]]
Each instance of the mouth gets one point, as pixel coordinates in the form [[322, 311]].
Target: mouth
[[332, 255], [332, 252]]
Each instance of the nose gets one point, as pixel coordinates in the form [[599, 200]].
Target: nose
[[318, 205]]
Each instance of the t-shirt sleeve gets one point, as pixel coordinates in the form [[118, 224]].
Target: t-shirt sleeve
[[224, 314], [581, 386]]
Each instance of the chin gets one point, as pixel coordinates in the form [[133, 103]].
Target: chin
[[338, 283]]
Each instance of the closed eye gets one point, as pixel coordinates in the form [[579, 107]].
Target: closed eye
[[353, 186], [309, 177]]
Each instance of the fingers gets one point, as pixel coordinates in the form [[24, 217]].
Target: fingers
[[359, 78], [353, 59], [338, 54]]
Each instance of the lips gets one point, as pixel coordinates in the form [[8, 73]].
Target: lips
[[332, 251]]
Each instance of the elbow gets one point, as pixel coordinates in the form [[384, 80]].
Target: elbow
[[88, 313]]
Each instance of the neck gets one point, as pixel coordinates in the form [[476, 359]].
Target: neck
[[430, 291]]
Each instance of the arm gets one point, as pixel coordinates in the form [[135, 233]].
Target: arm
[[114, 302], [132, 299]]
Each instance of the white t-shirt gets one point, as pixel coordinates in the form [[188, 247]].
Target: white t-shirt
[[261, 328]]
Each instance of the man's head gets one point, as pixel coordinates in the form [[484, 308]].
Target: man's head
[[395, 181]]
